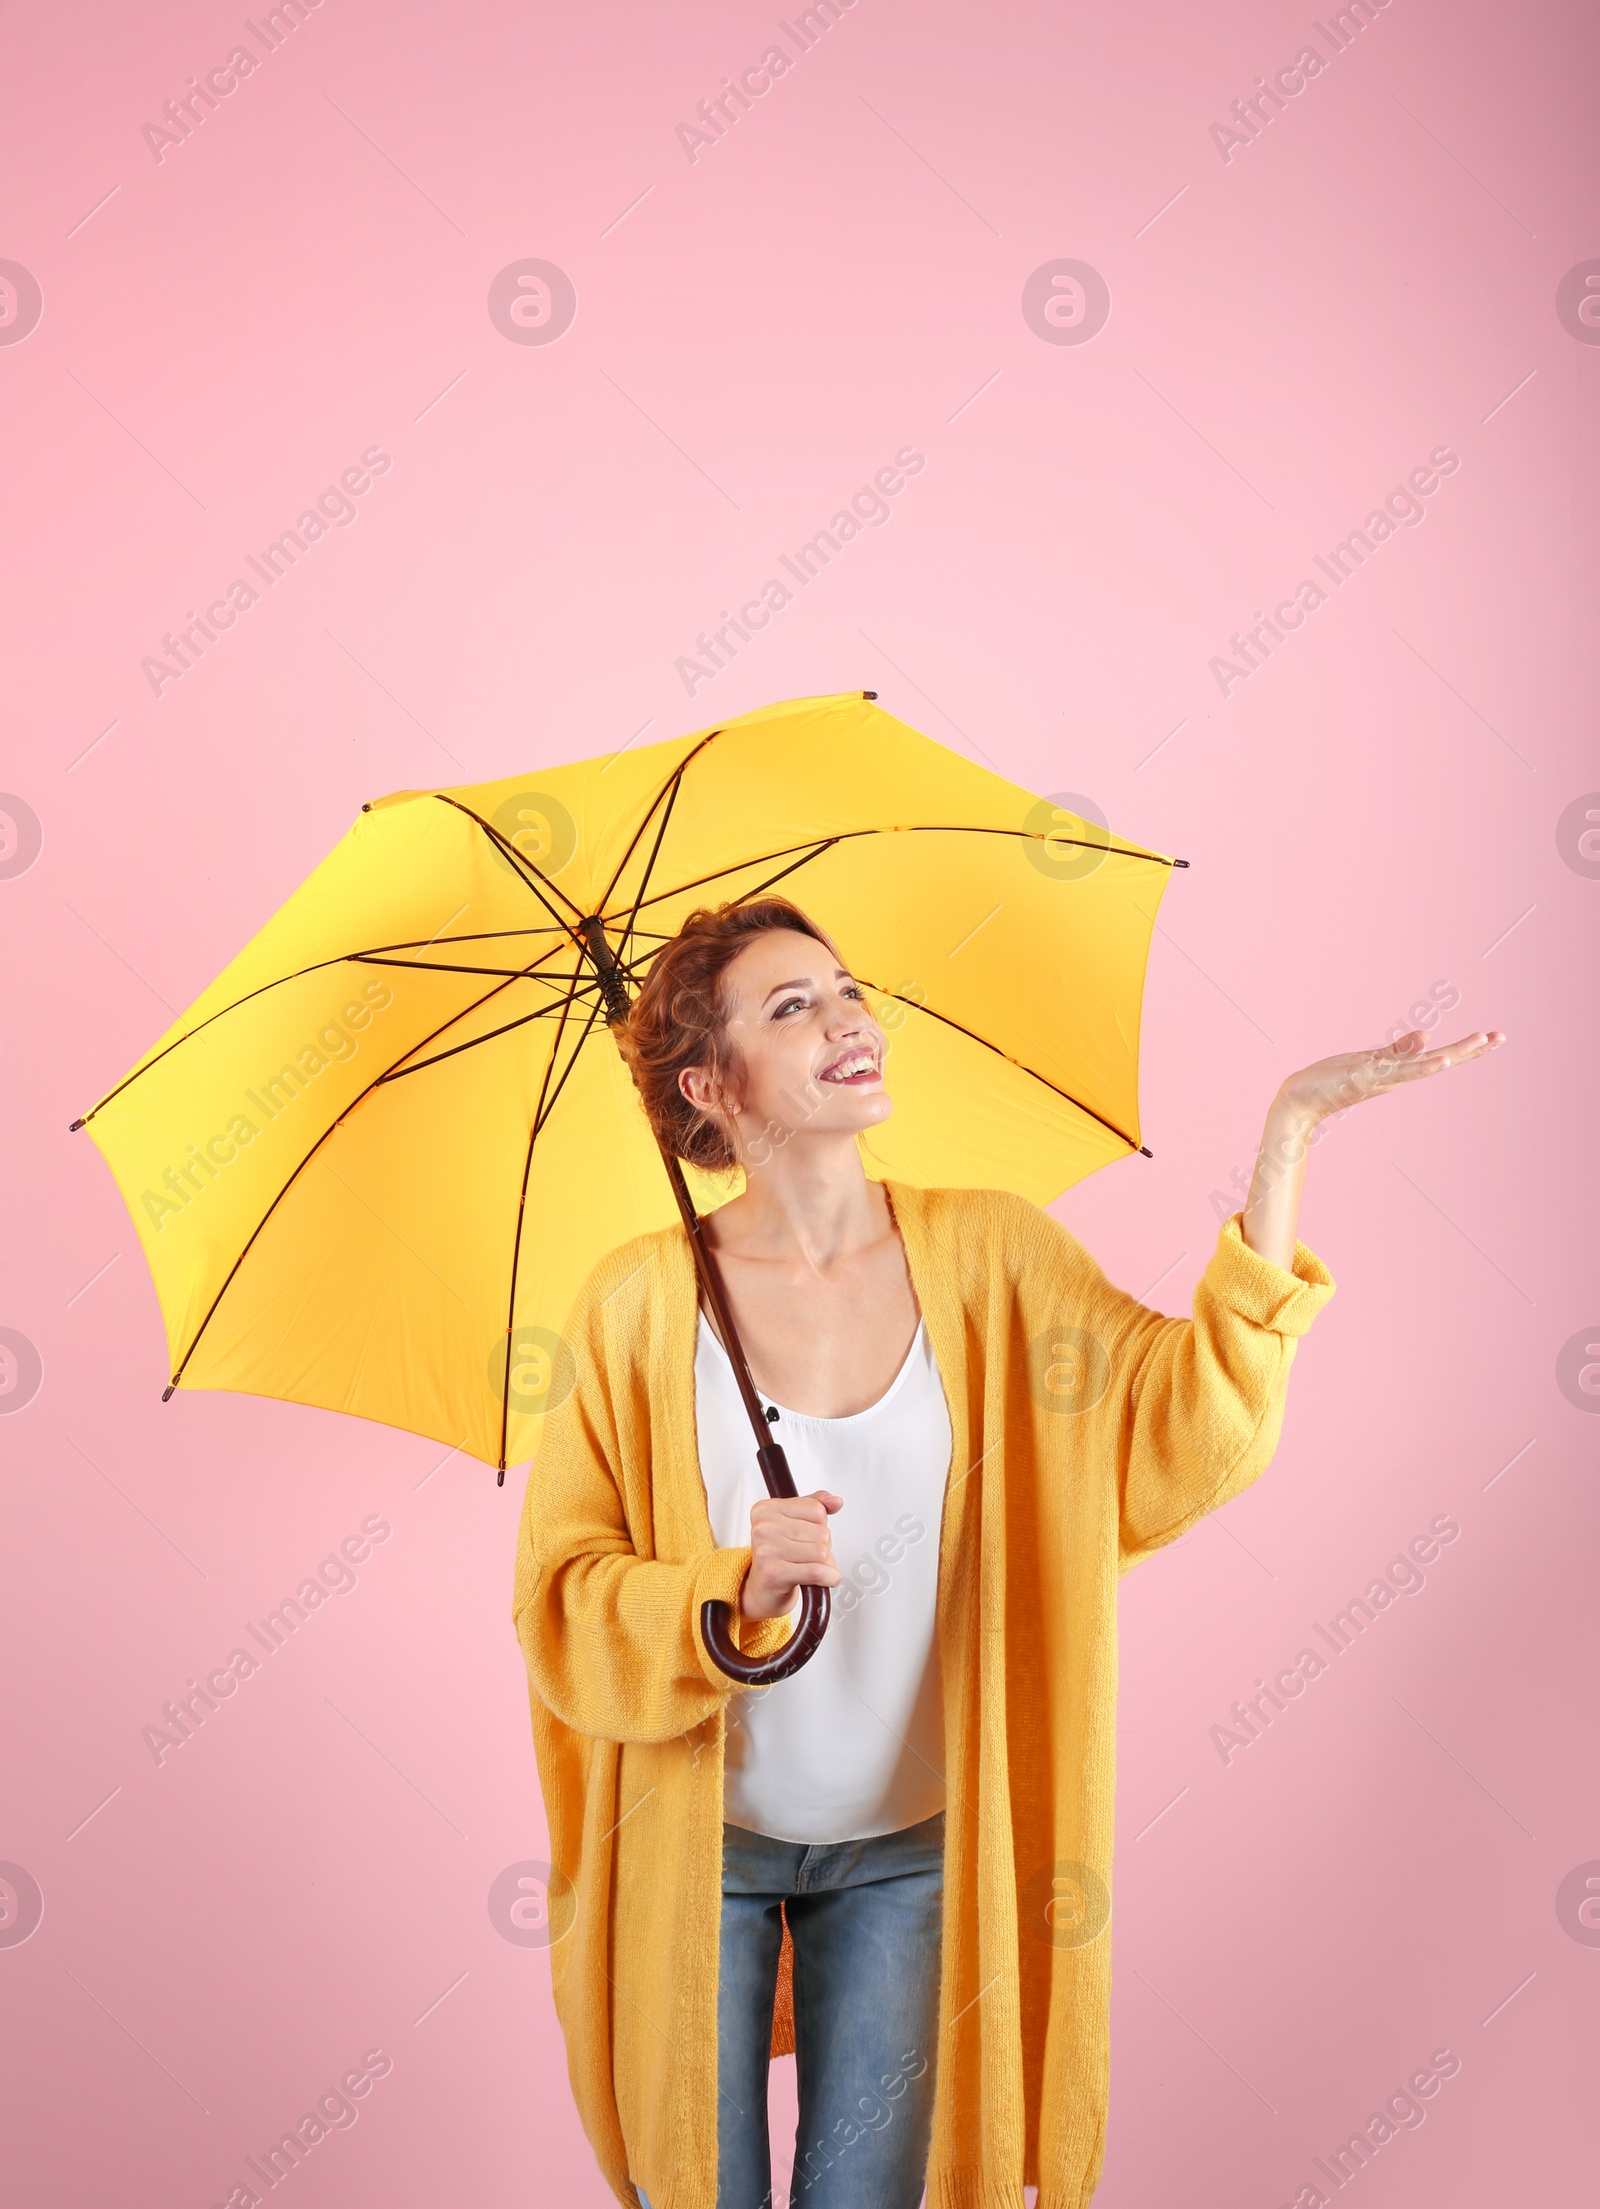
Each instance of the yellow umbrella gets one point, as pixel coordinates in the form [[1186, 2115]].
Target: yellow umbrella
[[373, 1163]]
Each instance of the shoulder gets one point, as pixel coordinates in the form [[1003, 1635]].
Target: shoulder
[[974, 1211], [630, 1283], [1008, 1230]]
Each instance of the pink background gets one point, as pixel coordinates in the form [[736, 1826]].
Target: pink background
[[1374, 811]]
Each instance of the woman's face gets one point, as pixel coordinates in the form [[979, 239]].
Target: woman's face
[[812, 1053]]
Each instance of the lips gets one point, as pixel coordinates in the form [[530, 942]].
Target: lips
[[852, 1071]]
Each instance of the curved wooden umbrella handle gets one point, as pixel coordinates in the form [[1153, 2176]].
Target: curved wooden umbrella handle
[[811, 1625], [762, 1671]]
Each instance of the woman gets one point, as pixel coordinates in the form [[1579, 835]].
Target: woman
[[919, 1823]]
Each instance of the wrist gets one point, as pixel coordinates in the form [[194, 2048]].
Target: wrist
[[1289, 1129], [1290, 1118], [767, 1605], [757, 1599]]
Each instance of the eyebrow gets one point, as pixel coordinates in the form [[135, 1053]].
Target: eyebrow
[[803, 981]]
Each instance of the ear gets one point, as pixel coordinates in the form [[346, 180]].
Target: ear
[[698, 1085], [695, 1083]]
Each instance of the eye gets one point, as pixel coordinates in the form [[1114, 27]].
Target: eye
[[779, 1010]]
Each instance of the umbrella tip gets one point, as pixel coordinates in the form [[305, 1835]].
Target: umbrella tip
[[869, 694], [365, 806], [1144, 1153], [500, 1478], [1180, 862], [167, 1391], [75, 1126]]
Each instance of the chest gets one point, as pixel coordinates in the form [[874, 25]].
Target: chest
[[829, 1344]]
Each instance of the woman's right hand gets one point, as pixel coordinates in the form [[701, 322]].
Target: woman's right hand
[[790, 1547]]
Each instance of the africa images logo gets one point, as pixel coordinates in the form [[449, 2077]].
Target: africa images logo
[[21, 836], [21, 1370], [532, 302], [1066, 302], [532, 1369], [532, 1905], [1066, 1905], [1578, 302], [1069, 1370], [21, 303], [21, 1905]]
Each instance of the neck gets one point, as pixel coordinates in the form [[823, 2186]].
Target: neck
[[810, 1200]]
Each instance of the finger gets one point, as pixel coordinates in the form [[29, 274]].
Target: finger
[[779, 1557], [816, 1575], [1452, 1054], [791, 1507], [1406, 1053], [1473, 1046], [791, 1538], [813, 1508], [814, 1572], [1443, 1055]]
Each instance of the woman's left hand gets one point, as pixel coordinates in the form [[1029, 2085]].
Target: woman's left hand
[[1270, 1220], [1353, 1076]]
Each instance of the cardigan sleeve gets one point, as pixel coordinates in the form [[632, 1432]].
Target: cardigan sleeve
[[1188, 1410], [612, 1639], [1201, 1400]]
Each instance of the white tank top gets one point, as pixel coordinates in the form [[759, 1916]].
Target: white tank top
[[853, 1744]]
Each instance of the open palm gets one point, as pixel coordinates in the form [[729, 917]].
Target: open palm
[[1352, 1076]]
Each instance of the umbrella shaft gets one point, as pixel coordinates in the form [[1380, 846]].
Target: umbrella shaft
[[612, 986]]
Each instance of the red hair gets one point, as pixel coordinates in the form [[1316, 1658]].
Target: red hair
[[680, 1018]]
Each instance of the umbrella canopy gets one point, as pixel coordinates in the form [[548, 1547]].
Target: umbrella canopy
[[373, 1163]]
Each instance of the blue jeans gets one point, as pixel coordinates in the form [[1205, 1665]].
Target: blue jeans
[[865, 1918]]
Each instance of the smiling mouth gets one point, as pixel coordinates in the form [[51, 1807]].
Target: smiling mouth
[[853, 1072]]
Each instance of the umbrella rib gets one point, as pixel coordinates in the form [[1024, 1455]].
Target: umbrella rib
[[815, 851], [909, 828], [1109, 1125], [445, 966], [670, 785], [538, 884], [340, 958], [720, 874], [544, 1111], [331, 1129], [473, 935], [516, 1239], [1033, 836], [541, 1113], [649, 865], [545, 1012]]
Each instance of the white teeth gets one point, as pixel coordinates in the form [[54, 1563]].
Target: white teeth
[[862, 1063]]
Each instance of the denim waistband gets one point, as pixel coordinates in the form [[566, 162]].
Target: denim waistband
[[759, 1863]]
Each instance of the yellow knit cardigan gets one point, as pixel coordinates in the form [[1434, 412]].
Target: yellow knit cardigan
[[1088, 1431]]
